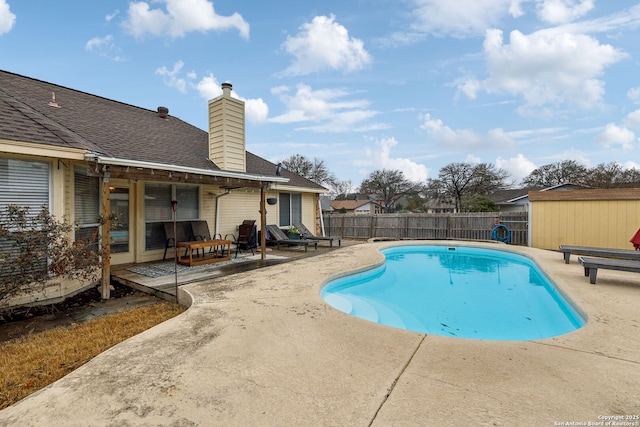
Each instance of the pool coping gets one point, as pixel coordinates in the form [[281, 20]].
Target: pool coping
[[262, 348]]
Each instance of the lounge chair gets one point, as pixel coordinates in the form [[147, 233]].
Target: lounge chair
[[307, 234], [599, 252], [278, 237], [591, 266]]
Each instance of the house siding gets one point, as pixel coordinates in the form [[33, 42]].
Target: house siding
[[227, 134], [602, 218], [243, 205], [309, 208]]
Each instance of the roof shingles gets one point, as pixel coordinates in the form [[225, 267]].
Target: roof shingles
[[108, 127]]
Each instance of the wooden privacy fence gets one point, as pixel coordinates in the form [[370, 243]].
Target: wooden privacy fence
[[464, 226]]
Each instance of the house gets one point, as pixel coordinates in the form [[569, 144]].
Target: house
[[512, 200], [517, 200], [325, 205], [83, 156], [358, 207], [434, 206]]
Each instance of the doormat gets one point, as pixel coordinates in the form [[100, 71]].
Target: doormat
[[168, 268]]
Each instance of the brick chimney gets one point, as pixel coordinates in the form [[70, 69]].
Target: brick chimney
[[227, 132]]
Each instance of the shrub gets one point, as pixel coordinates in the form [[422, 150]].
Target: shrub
[[36, 249]]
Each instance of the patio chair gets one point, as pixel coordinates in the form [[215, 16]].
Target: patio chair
[[183, 234], [278, 237], [200, 229], [307, 234], [247, 237]]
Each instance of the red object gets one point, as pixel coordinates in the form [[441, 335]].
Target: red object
[[635, 240]]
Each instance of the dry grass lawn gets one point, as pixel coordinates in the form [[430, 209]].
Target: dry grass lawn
[[31, 362]]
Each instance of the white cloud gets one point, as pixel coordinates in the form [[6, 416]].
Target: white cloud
[[327, 107], [615, 135], [633, 119], [104, 46], [110, 17], [460, 18], [172, 77], [466, 139], [634, 94], [208, 87], [324, 44], [471, 18], [631, 165], [618, 21], [180, 17], [545, 68], [561, 11], [98, 42], [7, 19], [473, 159], [518, 167], [380, 158], [256, 110]]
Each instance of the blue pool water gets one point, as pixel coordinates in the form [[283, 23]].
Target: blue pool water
[[457, 291]]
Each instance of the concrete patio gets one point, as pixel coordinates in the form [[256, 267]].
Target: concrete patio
[[261, 348]]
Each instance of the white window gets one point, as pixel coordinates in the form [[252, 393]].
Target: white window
[[24, 183], [157, 209], [290, 206]]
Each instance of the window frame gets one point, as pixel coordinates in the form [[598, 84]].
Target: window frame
[[286, 209]]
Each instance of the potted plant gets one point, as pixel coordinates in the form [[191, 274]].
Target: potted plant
[[293, 233]]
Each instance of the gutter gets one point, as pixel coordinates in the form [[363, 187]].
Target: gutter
[[217, 222], [102, 160]]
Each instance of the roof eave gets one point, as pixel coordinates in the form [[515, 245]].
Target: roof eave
[[104, 160]]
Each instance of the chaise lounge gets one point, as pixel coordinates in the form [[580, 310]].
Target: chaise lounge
[[278, 237], [567, 250], [307, 234], [591, 266]]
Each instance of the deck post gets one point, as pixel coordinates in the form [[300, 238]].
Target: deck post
[[263, 224], [105, 241]]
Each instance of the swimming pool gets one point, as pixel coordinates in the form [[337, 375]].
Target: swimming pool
[[457, 291]]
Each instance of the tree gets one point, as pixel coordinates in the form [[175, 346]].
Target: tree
[[36, 250], [315, 170], [610, 175], [457, 181], [341, 187], [554, 174], [479, 203], [604, 175], [389, 185]]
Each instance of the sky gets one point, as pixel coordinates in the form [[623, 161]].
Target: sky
[[363, 85]]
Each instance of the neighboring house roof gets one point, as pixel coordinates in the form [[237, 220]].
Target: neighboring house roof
[[511, 196], [514, 195], [353, 196], [44, 113], [325, 203], [349, 205]]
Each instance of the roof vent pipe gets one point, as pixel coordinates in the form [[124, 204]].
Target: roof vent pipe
[[163, 112], [226, 88]]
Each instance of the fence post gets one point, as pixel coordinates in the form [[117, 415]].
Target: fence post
[[371, 228]]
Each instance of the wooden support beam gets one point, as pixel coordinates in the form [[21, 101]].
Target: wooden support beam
[[263, 224], [105, 241]]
